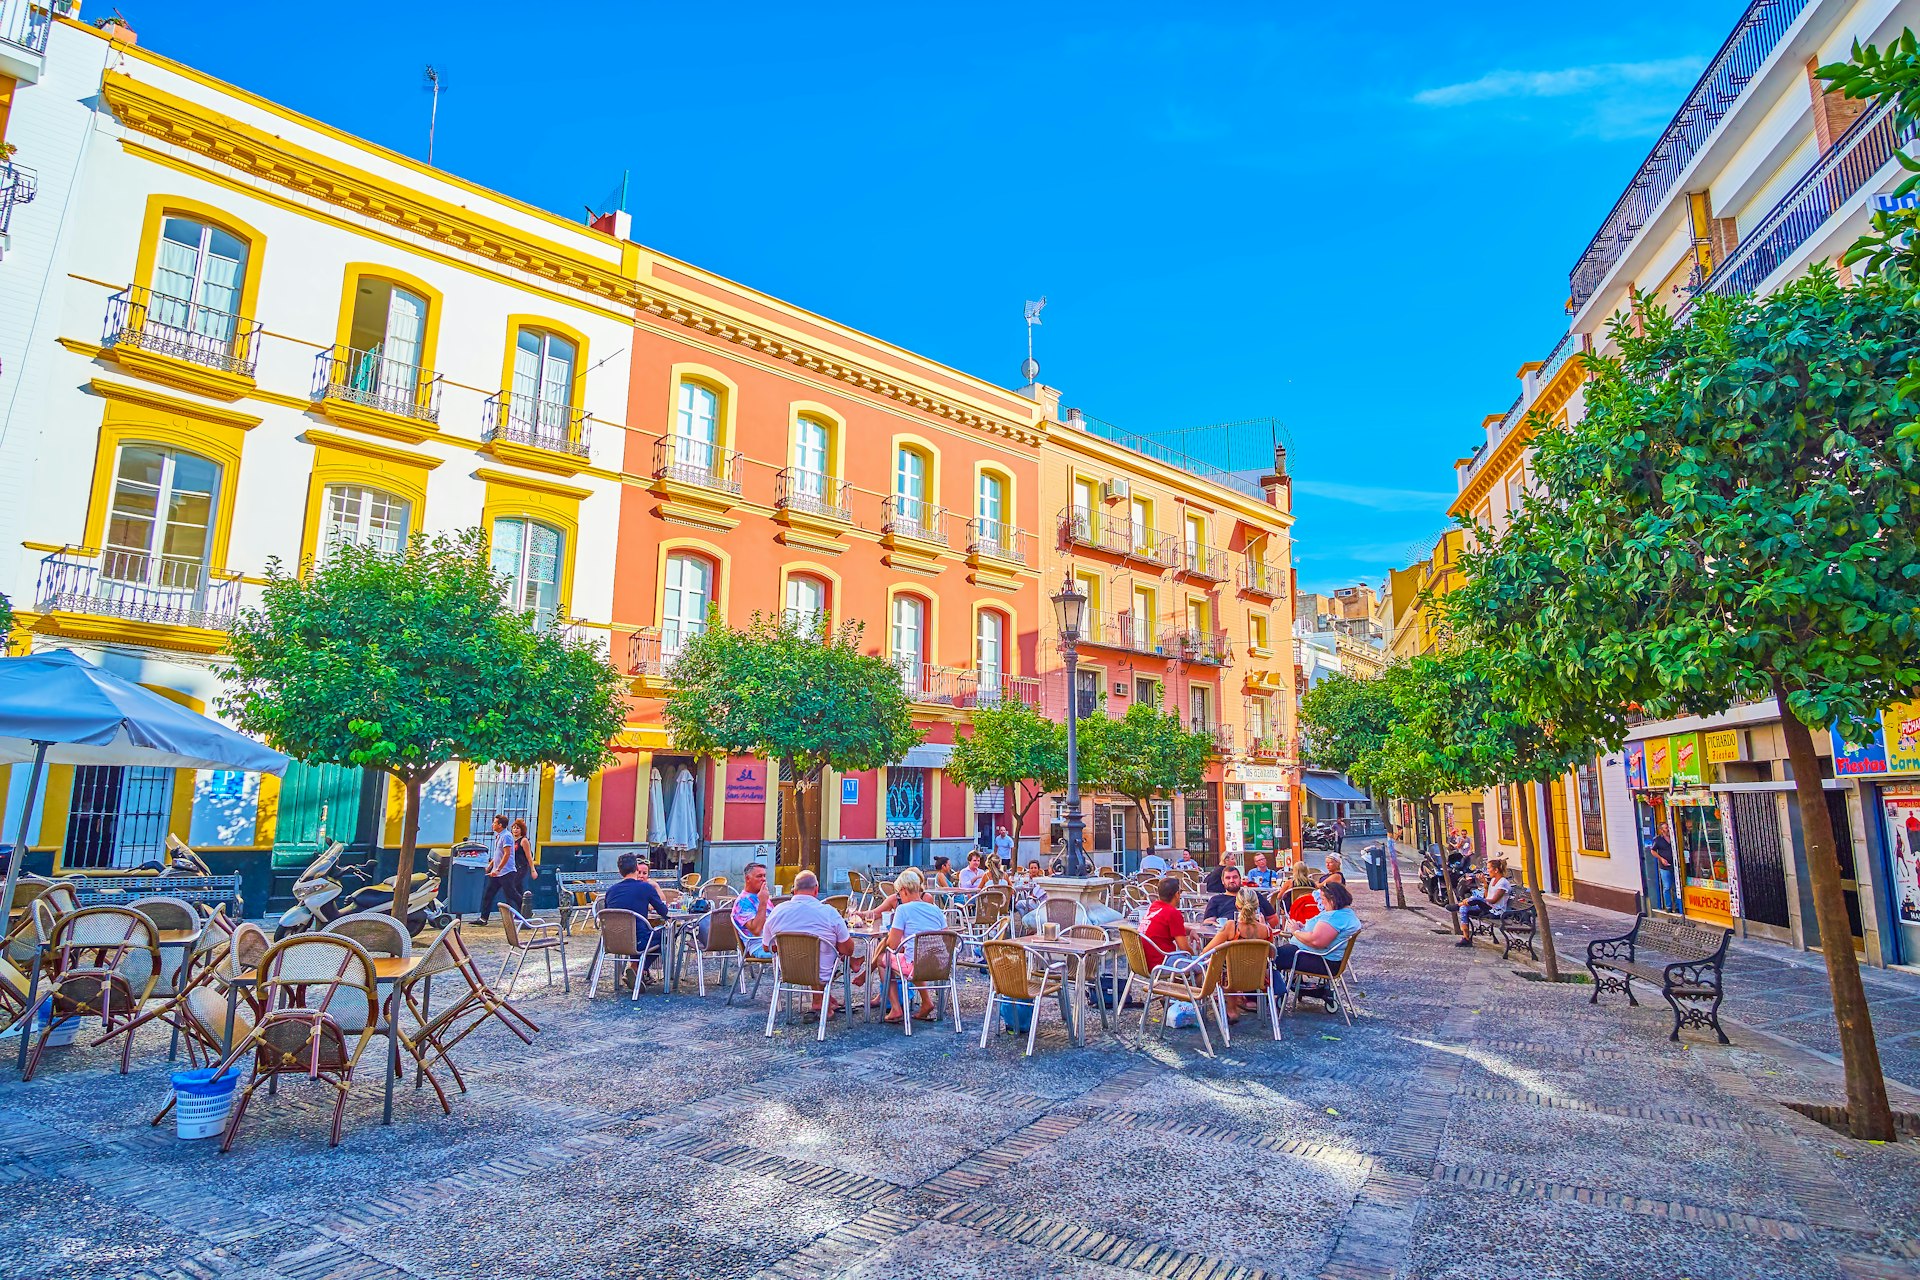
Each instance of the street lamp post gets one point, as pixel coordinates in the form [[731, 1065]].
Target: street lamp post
[[1070, 611]]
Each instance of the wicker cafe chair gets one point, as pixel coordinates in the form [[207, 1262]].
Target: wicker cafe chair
[[1061, 911], [1337, 979], [1015, 977], [1198, 986], [524, 937], [104, 963], [717, 939], [379, 933], [796, 970], [935, 954], [199, 967], [436, 1034], [620, 943], [1249, 972], [322, 1010]]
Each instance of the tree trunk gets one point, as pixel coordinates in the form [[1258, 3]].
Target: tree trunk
[[1393, 860], [1446, 865], [1868, 1115], [1146, 826], [409, 837], [803, 856], [1530, 862]]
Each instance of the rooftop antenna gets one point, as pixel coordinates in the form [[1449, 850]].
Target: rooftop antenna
[[436, 84], [1030, 369]]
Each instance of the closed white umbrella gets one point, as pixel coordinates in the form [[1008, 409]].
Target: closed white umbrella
[[58, 708], [683, 823], [656, 809]]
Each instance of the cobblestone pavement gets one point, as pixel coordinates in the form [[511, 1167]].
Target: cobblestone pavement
[[1470, 1123]]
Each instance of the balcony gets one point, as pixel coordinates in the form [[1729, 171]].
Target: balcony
[[1198, 560], [24, 25], [812, 493], [1264, 747], [1209, 648], [181, 343], [363, 388], [1259, 580], [147, 591], [914, 518], [1868, 146], [1080, 527], [1222, 735], [1570, 345], [926, 684], [998, 540], [548, 435], [1740, 58], [652, 651], [998, 689], [18, 186], [1127, 631]]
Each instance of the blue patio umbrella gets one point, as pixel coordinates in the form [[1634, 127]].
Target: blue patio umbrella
[[58, 708]]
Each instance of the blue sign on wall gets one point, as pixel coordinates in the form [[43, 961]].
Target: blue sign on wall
[[1850, 759], [849, 791]]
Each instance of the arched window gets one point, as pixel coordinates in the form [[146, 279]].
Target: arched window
[[684, 601], [359, 516], [990, 655], [526, 559], [160, 523], [990, 512], [696, 428], [909, 642], [385, 342], [197, 276], [541, 399], [810, 437], [807, 603], [910, 486]]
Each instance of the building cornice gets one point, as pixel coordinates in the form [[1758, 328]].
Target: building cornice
[[1552, 398], [1109, 453], [198, 129]]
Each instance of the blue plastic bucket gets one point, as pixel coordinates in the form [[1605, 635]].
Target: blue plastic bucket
[[1015, 1017], [201, 1103]]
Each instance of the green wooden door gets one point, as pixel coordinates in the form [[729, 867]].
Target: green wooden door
[[319, 803]]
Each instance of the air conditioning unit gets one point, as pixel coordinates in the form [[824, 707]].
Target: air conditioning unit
[[1115, 490]]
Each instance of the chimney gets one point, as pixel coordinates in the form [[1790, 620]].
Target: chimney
[[617, 223], [1076, 419], [1048, 398], [1278, 486]]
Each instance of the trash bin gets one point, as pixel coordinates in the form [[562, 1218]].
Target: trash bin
[[1374, 858], [466, 879]]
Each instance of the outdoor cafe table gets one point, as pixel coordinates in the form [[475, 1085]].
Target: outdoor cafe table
[[1082, 953], [390, 970], [163, 939]]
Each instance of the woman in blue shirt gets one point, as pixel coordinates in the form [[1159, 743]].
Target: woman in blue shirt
[[1318, 944]]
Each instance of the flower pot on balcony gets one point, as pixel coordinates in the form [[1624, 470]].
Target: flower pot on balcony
[[118, 30]]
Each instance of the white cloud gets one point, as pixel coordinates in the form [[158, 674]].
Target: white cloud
[[1376, 497], [1596, 78]]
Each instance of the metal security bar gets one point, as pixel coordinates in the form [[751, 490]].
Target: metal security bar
[[140, 586], [25, 24], [543, 424], [118, 816]]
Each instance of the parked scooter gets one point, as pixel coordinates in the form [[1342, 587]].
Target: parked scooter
[[424, 905], [316, 896], [320, 898]]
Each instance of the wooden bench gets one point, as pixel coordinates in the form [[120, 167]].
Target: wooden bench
[[577, 891], [1516, 928], [117, 890], [1685, 959]]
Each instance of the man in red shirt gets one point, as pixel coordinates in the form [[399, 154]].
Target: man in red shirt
[[1166, 929]]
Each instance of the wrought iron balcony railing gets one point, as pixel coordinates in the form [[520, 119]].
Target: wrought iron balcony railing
[[1222, 734], [907, 517], [1570, 345], [700, 463], [25, 24], [998, 540], [998, 689], [1264, 746], [1198, 560], [18, 185], [552, 425], [1079, 527], [652, 651], [1210, 647], [930, 685], [1718, 89], [139, 586], [140, 319], [814, 493], [363, 376], [1259, 580], [1126, 630]]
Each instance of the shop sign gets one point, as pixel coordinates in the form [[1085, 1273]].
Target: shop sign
[[849, 791], [1636, 766], [1257, 773], [1264, 792], [1852, 759], [1723, 745], [1659, 762], [1902, 809], [1705, 902], [1724, 803], [1235, 843], [746, 782], [1900, 727], [1688, 766]]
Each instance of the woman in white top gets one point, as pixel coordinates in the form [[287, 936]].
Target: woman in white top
[[915, 915], [1494, 900]]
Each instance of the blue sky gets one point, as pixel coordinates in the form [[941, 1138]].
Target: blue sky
[[1357, 219]]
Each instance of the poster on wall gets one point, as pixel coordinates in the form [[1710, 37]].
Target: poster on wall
[[1659, 762], [1900, 728], [1688, 766], [1636, 766], [1851, 759], [1903, 852], [1723, 745]]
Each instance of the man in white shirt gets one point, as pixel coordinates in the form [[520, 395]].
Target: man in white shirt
[[1155, 863], [1003, 845], [805, 913], [1186, 862]]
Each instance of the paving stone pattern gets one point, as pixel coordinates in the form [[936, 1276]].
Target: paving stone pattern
[[1469, 1124]]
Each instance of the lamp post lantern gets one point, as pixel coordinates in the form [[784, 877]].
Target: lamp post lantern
[[1070, 611]]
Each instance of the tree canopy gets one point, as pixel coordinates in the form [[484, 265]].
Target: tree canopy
[[1015, 748], [405, 661], [1143, 754], [1344, 720], [780, 689]]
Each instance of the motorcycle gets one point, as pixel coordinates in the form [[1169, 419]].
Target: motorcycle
[[1321, 835], [425, 908], [316, 896], [320, 898]]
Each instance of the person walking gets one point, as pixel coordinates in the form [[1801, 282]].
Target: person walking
[[523, 867], [1003, 845], [503, 872], [1666, 893]]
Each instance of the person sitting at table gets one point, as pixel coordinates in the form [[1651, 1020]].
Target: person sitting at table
[[635, 892], [1186, 862], [1027, 893], [1217, 878], [1260, 876], [974, 875], [1313, 947], [1334, 871], [750, 909], [942, 877], [1247, 925], [915, 915], [805, 913], [1301, 908], [1164, 935], [1155, 863], [1225, 903]]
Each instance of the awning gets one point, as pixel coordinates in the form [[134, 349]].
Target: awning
[[1332, 787], [925, 755]]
